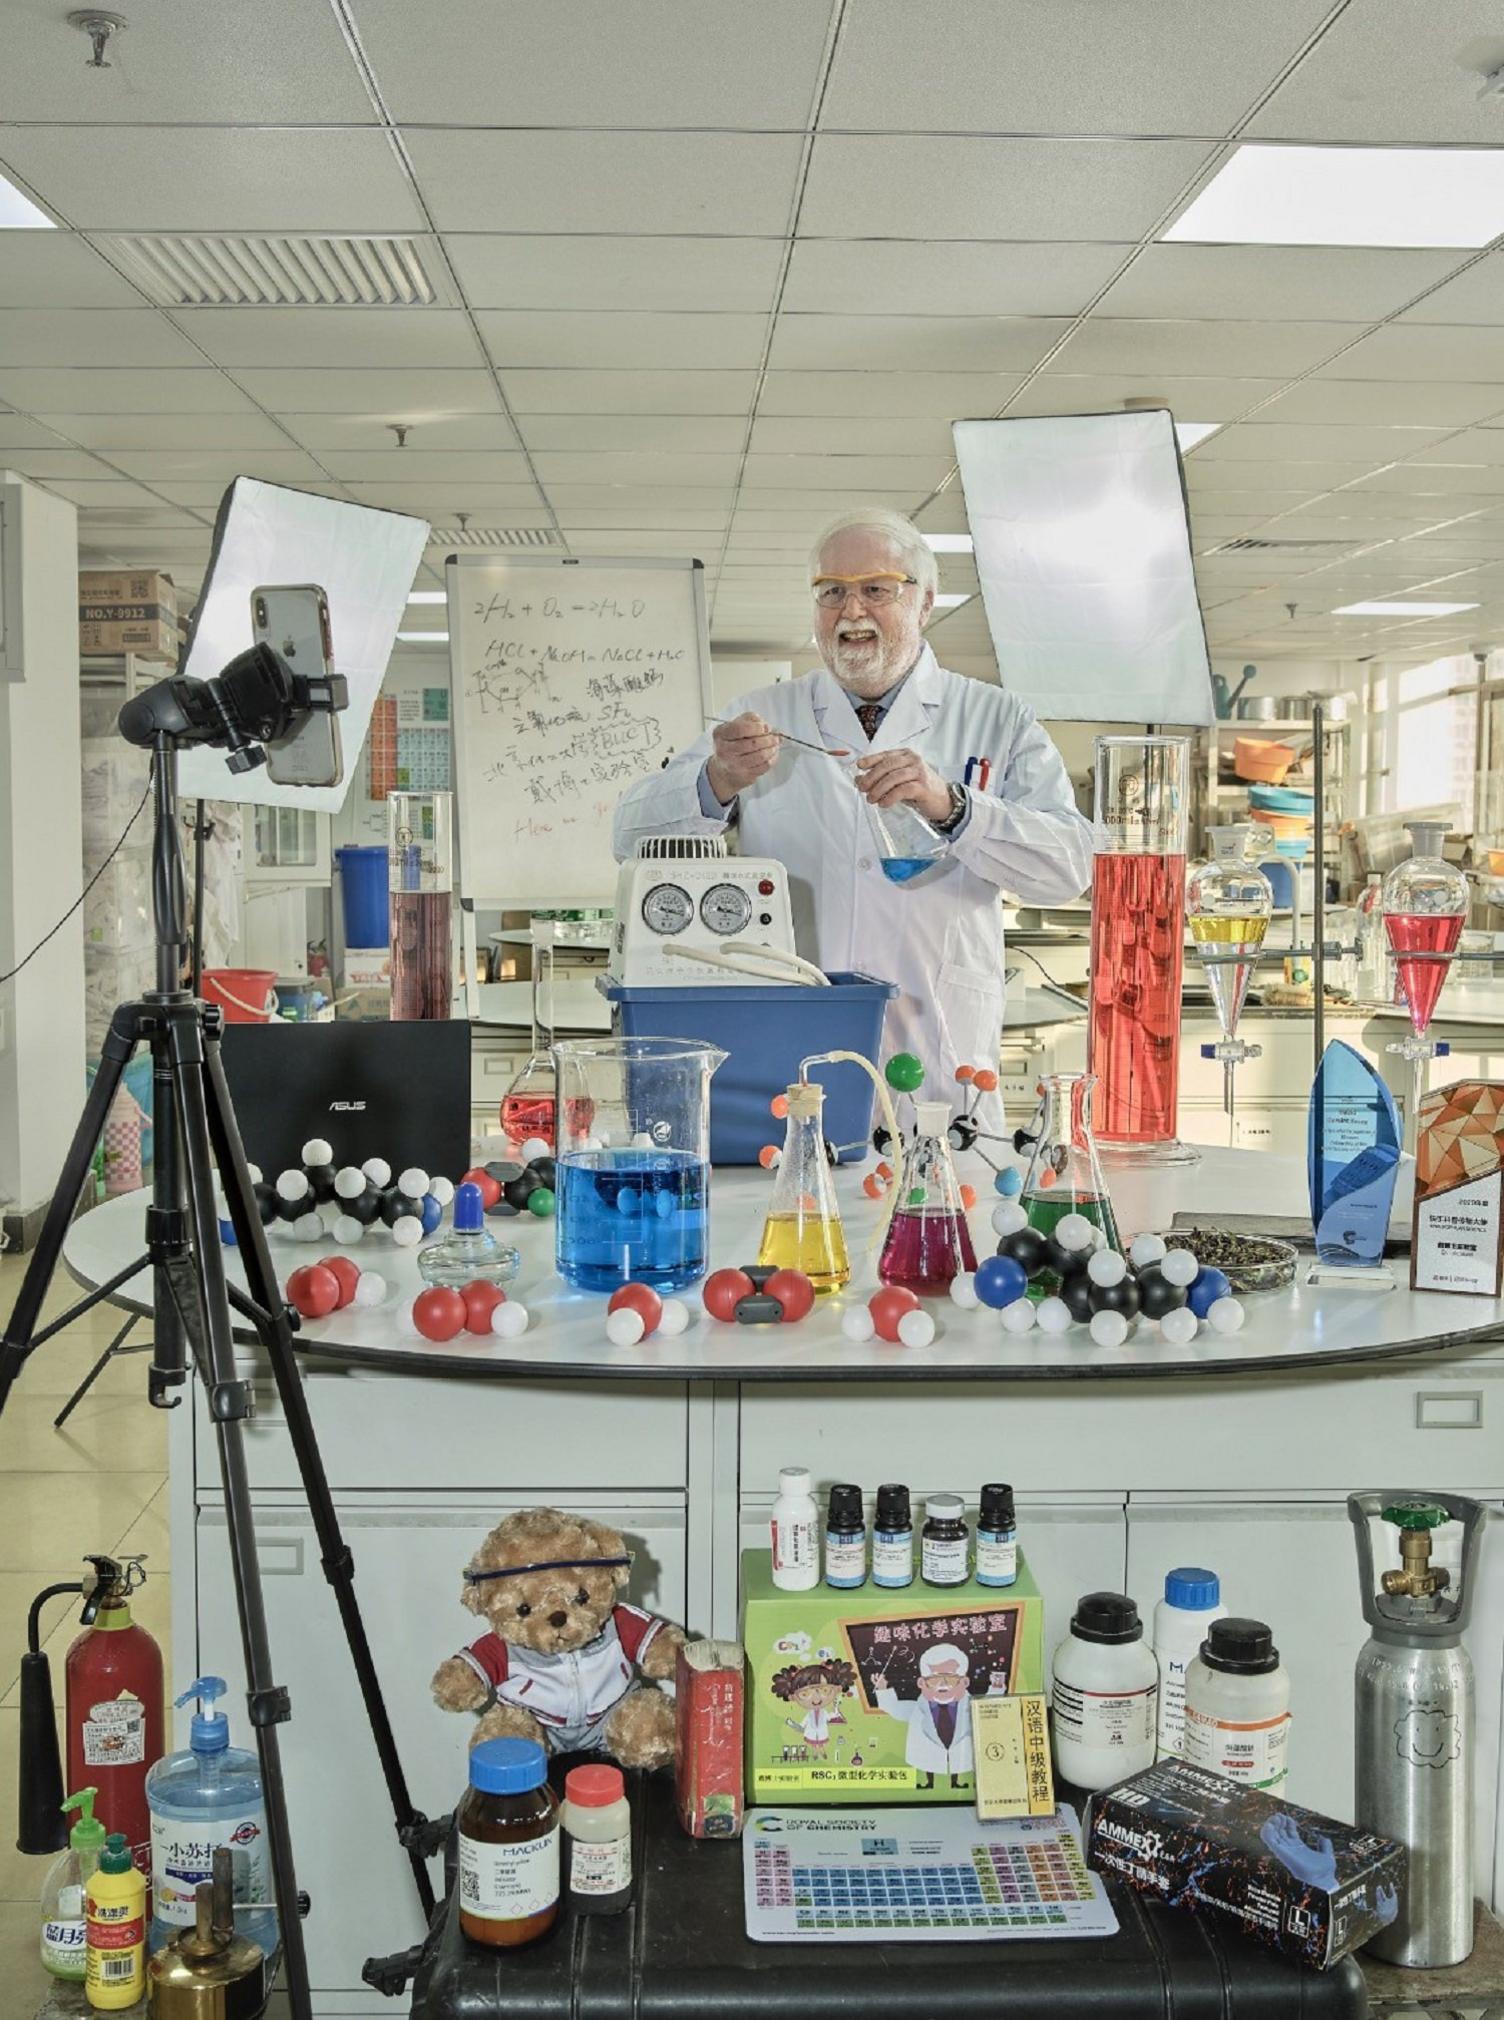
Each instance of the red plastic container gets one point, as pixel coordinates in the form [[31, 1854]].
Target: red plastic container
[[246, 995]]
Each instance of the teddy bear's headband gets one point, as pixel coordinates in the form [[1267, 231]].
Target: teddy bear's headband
[[474, 1577]]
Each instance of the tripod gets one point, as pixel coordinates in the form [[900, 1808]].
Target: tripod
[[192, 1302]]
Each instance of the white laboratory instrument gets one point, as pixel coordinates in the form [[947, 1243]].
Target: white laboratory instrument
[[687, 912]]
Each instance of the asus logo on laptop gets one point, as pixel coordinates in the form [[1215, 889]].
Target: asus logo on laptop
[[347, 1108]]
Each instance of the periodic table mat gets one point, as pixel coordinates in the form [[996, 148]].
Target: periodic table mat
[[907, 1876]]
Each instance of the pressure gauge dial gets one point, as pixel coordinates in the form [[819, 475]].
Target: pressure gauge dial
[[726, 909], [667, 908]]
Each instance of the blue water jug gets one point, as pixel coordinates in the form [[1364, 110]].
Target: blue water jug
[[204, 1797]]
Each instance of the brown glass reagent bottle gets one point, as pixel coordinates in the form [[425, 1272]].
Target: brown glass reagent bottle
[[508, 1828]]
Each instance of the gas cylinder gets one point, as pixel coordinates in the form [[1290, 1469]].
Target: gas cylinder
[[1414, 1727], [114, 1707]]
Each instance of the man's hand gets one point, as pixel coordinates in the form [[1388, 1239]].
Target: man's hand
[[880, 1681], [745, 748], [892, 775]]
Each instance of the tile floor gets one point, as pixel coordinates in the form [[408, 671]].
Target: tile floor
[[98, 1484]]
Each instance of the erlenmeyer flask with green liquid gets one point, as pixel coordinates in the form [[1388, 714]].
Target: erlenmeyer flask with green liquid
[[1065, 1173]]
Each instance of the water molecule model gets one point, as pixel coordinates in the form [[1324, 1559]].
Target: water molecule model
[[444, 1311], [755, 1295], [315, 1200]]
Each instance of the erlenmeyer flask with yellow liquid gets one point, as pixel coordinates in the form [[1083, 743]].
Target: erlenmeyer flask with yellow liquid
[[803, 1229]]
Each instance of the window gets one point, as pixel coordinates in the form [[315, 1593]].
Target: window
[[1432, 735]]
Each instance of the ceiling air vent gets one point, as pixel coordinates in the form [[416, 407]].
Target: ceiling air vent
[[494, 536], [1284, 547], [263, 271]]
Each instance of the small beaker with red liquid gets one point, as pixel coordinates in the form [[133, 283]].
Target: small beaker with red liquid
[[928, 1242], [421, 883], [1138, 944]]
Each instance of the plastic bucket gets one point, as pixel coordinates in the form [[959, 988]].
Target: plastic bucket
[[363, 884], [246, 995], [766, 1029]]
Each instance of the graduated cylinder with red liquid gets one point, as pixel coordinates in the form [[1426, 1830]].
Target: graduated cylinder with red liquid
[[1138, 942]]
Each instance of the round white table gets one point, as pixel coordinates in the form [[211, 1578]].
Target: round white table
[[1287, 1329]]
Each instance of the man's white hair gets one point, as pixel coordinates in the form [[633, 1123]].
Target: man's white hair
[[944, 1651], [902, 533]]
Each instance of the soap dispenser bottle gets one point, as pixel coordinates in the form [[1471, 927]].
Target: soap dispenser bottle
[[204, 1797], [63, 1944]]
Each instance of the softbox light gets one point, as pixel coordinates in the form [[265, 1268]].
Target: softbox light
[[1083, 549], [364, 560]]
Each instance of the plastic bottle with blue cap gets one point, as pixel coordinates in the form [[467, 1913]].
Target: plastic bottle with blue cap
[[208, 1795], [1192, 1601]]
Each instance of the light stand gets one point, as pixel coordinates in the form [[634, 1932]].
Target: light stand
[[195, 1129]]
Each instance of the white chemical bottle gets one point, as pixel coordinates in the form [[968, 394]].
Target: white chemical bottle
[[1192, 1601], [796, 1532], [1237, 1706], [1103, 1697]]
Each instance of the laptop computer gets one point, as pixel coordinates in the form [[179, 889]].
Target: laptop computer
[[398, 1091]]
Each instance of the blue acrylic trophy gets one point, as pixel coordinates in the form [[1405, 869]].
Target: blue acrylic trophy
[[1353, 1158]]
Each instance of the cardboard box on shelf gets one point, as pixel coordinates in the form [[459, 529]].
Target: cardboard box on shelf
[[127, 610], [367, 968], [869, 1693]]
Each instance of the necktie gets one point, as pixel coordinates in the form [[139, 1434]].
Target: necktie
[[944, 1716], [869, 714]]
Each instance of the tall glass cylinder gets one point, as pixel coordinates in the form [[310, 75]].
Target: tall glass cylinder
[[1138, 942], [421, 880]]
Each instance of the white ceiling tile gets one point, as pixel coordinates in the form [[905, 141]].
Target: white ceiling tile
[[915, 475], [472, 432], [663, 501], [1231, 350], [1252, 505], [1420, 351], [873, 434], [47, 463], [109, 432], [693, 392], [658, 433], [1472, 445], [1396, 403], [419, 466], [56, 269], [923, 186], [801, 512], [18, 432], [573, 63], [911, 343], [332, 337], [192, 178], [637, 466], [1448, 481], [487, 504], [1308, 477], [513, 271], [1375, 76], [874, 276], [85, 390], [542, 337], [55, 337], [934, 395], [1148, 66], [1476, 296], [1261, 441], [724, 184], [1338, 284], [180, 54], [1189, 398], [109, 493], [348, 388], [219, 466], [640, 523]]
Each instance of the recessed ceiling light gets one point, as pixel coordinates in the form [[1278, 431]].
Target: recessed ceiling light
[[1396, 196], [424, 637], [951, 602], [948, 543], [1399, 609], [429, 596], [1189, 433], [19, 213]]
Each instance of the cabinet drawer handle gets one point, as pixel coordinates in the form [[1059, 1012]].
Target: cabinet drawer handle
[[1449, 1409]]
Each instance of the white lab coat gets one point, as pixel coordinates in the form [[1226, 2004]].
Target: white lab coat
[[941, 938], [922, 1747]]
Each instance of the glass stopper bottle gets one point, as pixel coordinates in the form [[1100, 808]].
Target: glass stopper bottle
[[1065, 1173], [469, 1253], [928, 1241], [803, 1229]]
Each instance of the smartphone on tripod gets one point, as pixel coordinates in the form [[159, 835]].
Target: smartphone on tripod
[[293, 618]]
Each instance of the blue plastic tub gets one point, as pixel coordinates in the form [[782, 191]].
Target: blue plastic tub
[[363, 883], [766, 1029]]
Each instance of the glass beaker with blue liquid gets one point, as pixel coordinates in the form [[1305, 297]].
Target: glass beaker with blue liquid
[[633, 1161]]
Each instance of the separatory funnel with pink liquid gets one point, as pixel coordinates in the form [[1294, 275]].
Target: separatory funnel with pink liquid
[[1425, 908]]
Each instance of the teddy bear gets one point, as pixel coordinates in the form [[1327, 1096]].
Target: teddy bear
[[563, 1659]]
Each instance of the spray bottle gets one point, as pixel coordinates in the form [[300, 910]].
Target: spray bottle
[[1414, 1732], [63, 1950]]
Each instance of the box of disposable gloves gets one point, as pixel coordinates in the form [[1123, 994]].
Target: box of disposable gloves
[[1309, 1887]]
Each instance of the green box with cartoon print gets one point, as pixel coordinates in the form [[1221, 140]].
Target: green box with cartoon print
[[866, 1694]]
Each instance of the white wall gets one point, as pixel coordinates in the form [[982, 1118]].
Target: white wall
[[41, 850]]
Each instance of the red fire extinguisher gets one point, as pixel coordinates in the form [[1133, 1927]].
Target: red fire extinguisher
[[114, 1706]]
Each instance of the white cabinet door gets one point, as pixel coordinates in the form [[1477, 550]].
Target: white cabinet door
[[408, 1565]]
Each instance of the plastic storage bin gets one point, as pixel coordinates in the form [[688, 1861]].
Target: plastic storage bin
[[363, 886], [766, 1029]]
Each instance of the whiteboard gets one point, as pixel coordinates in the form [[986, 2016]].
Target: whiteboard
[[571, 680]]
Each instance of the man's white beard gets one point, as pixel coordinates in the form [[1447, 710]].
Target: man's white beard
[[869, 676]]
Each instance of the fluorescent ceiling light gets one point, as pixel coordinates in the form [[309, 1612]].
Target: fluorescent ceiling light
[[19, 213], [951, 602], [429, 596], [1397, 196], [1402, 609], [948, 543], [424, 637], [1189, 433]]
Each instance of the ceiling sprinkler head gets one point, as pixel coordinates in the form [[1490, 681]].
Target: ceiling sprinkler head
[[99, 27], [399, 429]]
